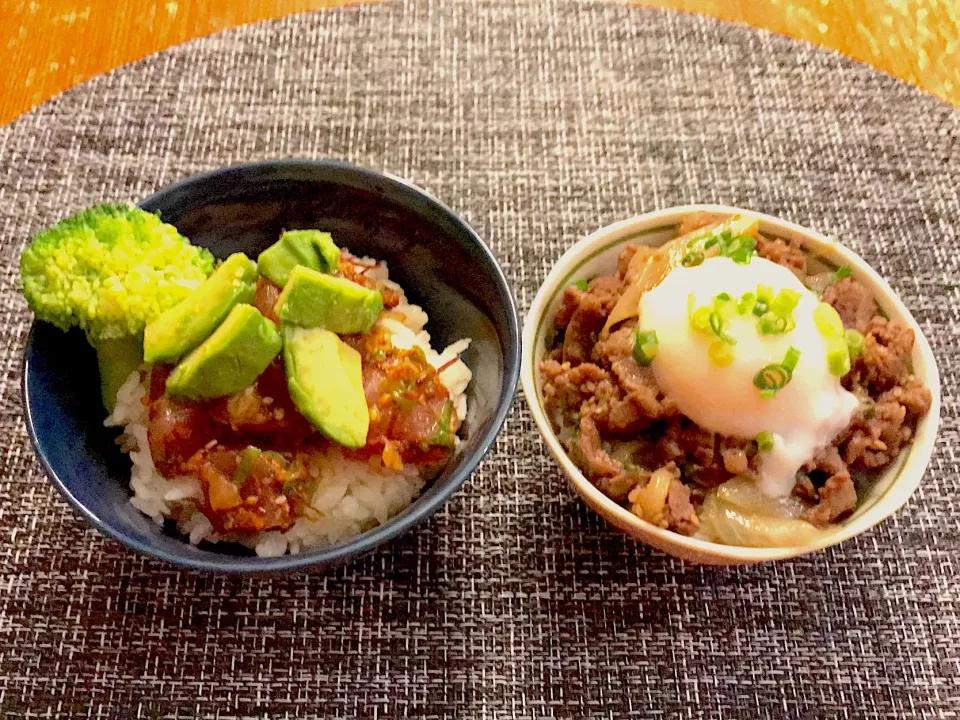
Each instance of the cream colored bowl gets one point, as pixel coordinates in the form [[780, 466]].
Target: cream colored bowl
[[597, 254]]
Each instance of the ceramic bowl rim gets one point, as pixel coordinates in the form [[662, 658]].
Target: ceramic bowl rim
[[421, 508], [918, 454]]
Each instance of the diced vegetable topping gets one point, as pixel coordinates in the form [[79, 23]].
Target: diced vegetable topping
[[245, 464], [692, 258], [828, 321], [854, 343], [645, 346], [739, 248], [720, 353], [838, 356], [581, 285], [775, 377], [765, 441]]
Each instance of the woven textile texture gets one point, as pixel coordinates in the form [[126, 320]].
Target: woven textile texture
[[538, 122]]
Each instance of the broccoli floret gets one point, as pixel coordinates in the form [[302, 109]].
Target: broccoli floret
[[109, 271]]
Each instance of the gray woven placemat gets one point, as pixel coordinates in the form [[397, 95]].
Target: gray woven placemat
[[539, 122]]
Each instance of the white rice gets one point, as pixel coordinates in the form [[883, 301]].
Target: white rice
[[351, 496]]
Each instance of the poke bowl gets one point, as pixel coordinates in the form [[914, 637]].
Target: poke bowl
[[729, 387], [338, 362]]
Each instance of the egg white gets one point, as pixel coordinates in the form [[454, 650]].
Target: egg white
[[803, 417]]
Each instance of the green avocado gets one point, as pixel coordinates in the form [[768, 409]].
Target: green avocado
[[310, 248], [325, 379], [312, 299], [229, 360], [187, 324], [117, 359]]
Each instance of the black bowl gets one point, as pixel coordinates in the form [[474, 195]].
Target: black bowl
[[434, 255]]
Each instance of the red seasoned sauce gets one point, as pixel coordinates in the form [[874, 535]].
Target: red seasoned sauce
[[255, 454]]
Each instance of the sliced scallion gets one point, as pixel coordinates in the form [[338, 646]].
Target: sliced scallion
[[827, 320], [785, 302], [854, 343], [720, 353], [692, 258], [581, 285], [645, 345], [718, 328], [774, 377], [765, 441], [838, 356], [771, 324]]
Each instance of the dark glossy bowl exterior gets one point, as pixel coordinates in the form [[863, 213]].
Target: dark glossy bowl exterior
[[435, 256]]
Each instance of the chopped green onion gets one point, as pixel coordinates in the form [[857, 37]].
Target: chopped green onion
[[838, 356], [765, 441], [713, 240], [791, 359], [746, 303], [717, 327], [742, 249], [645, 346], [720, 353], [724, 305], [245, 463], [760, 307], [785, 302], [827, 320], [842, 272], [771, 324], [581, 285], [854, 343], [765, 293], [771, 378], [701, 319], [692, 258]]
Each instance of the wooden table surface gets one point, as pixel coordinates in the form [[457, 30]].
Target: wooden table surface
[[46, 47]]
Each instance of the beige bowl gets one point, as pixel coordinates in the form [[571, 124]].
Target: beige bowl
[[598, 254]]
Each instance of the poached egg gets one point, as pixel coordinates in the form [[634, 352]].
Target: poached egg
[[803, 416]]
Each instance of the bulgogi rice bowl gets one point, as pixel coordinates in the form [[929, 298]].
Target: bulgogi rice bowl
[[605, 371]]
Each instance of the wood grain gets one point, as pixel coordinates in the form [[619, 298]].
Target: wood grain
[[46, 47]]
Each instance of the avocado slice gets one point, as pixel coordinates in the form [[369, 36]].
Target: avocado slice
[[312, 299], [117, 359], [310, 248], [187, 324], [325, 379], [229, 360]]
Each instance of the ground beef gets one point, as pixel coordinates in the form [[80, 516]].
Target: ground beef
[[704, 455], [569, 302], [887, 349], [837, 498], [566, 388], [881, 429], [637, 383], [581, 333], [853, 302], [582, 314], [679, 512], [783, 253], [618, 425], [827, 484]]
